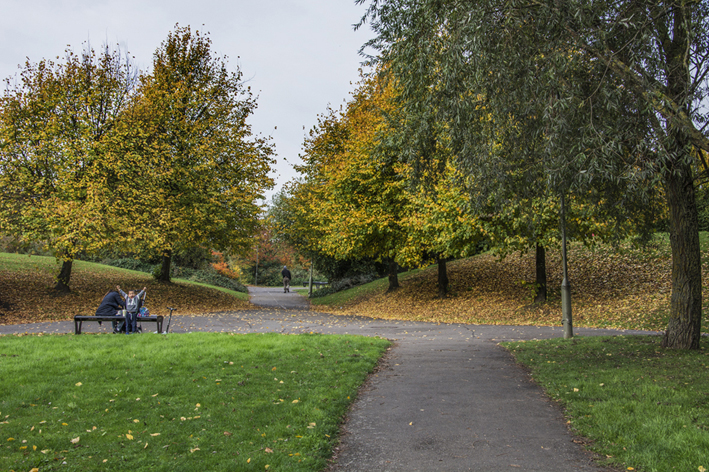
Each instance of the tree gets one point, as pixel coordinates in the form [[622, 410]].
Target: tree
[[54, 126], [196, 170], [614, 92]]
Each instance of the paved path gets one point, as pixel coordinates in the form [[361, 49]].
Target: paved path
[[448, 398]]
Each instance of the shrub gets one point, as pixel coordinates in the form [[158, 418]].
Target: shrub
[[129, 263], [344, 284]]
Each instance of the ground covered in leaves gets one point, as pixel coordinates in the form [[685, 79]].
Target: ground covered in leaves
[[27, 295], [622, 287]]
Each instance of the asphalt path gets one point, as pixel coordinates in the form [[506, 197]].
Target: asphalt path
[[446, 398]]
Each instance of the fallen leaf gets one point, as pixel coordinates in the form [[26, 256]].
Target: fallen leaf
[[195, 449], [295, 401], [75, 440], [227, 433], [78, 384], [136, 421], [146, 446], [155, 434], [268, 450], [129, 436]]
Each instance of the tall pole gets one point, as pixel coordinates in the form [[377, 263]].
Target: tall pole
[[256, 272], [310, 284], [566, 320]]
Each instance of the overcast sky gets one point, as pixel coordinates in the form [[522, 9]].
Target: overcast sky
[[298, 56]]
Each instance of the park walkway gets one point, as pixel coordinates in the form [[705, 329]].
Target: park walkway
[[446, 398]]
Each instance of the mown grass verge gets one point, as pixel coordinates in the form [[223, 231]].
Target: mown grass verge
[[639, 405], [199, 401], [26, 290]]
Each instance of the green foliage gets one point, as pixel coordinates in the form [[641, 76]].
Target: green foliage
[[640, 406], [94, 156], [602, 111], [179, 402], [343, 284]]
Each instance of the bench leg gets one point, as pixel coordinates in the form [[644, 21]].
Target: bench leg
[[159, 323], [77, 327]]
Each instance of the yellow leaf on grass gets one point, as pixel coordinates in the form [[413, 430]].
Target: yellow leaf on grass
[[34, 470], [146, 446], [136, 421], [268, 450], [248, 461], [78, 384], [75, 440], [155, 434], [195, 449], [129, 436], [295, 401]]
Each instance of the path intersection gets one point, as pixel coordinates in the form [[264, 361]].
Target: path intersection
[[446, 398]]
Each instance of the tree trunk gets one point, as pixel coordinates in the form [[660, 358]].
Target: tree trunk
[[393, 276], [64, 276], [684, 328], [540, 284], [442, 277], [165, 269]]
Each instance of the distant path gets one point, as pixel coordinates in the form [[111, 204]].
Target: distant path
[[273, 297], [447, 397]]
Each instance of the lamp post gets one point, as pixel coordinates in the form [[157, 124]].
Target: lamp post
[[566, 319]]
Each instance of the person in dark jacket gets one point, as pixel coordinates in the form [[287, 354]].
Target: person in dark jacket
[[286, 279], [111, 303]]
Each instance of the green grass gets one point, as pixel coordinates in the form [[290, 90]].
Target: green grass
[[234, 293], [345, 296], [200, 401], [640, 405], [50, 264]]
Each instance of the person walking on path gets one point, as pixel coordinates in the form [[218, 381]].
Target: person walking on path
[[132, 308], [286, 279]]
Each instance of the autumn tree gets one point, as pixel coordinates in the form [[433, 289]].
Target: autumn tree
[[196, 171], [55, 123], [616, 91]]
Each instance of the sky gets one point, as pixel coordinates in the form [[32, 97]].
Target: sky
[[298, 56]]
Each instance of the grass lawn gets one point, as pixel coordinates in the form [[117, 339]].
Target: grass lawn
[[640, 405], [199, 401]]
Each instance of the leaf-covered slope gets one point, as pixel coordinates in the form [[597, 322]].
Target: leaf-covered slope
[[624, 288], [27, 296]]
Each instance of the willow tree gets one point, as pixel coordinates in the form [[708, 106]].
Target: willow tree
[[614, 90]]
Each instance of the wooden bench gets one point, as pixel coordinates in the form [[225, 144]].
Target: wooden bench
[[79, 319]]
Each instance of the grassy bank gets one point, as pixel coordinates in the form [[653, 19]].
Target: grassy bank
[[639, 406], [200, 401], [26, 284], [624, 287]]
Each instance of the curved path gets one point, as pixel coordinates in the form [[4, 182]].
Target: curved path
[[447, 397]]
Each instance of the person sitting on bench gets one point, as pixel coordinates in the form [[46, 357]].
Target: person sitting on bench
[[132, 307], [110, 304]]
